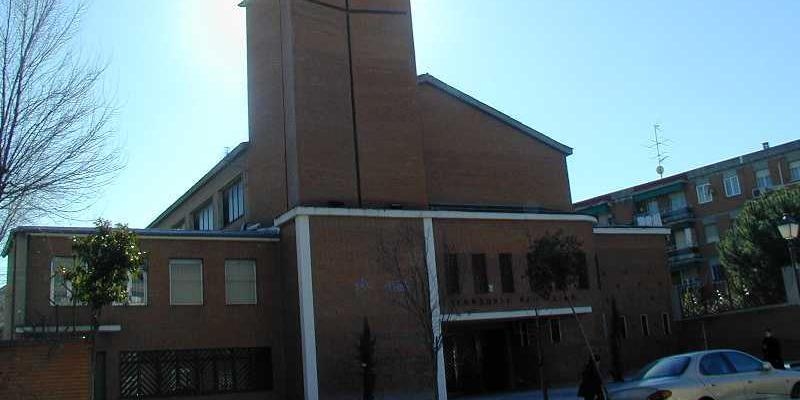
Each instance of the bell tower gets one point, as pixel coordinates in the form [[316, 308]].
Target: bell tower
[[332, 106]]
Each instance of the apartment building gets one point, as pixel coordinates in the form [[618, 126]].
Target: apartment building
[[260, 276], [698, 206]]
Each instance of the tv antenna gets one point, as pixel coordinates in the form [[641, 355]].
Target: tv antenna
[[659, 144]]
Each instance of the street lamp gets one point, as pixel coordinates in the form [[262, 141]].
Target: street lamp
[[788, 228]]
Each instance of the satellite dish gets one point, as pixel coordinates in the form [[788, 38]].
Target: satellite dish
[[660, 170]]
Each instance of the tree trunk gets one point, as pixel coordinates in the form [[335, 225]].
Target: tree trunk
[[540, 356], [93, 343], [588, 345]]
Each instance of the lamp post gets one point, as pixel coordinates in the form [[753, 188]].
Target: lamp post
[[788, 228]]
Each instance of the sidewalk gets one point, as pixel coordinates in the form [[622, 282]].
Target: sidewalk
[[555, 394]]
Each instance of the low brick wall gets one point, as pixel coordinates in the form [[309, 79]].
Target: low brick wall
[[43, 371]]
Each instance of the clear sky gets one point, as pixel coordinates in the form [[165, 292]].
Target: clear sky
[[719, 76]]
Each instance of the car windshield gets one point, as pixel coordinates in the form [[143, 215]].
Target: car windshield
[[663, 368]]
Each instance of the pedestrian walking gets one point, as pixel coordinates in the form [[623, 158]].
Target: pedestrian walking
[[771, 347], [591, 387]]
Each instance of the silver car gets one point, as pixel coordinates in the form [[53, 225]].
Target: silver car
[[709, 375]]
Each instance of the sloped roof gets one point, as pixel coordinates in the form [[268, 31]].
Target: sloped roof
[[465, 98], [236, 152]]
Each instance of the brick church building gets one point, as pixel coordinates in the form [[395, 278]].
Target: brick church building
[[260, 276]]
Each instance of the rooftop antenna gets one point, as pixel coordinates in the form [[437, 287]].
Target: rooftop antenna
[[659, 143]]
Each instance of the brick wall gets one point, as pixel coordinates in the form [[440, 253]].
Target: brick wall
[[44, 371]]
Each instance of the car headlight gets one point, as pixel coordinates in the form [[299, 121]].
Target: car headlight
[[660, 395]]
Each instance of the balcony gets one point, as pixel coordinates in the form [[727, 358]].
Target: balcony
[[677, 215], [680, 257], [648, 219]]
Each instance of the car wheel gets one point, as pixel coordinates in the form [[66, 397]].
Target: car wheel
[[706, 398], [795, 394]]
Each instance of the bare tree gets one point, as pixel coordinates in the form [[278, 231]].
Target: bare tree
[[404, 258], [55, 147]]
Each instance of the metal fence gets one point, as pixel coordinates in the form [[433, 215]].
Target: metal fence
[[146, 374]]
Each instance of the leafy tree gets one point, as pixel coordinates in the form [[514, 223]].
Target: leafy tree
[[556, 265], [753, 252], [105, 261]]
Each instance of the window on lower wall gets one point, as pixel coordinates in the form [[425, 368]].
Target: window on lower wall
[[164, 373], [622, 327], [60, 288], [479, 276], [240, 282], [645, 325], [186, 282], [452, 276], [506, 272], [665, 323], [555, 330]]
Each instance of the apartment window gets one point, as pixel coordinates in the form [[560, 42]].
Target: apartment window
[[506, 273], [645, 325], [186, 282], [60, 288], [453, 278], [704, 193], [732, 187], [622, 327], [233, 202], [137, 290], [166, 373], [479, 277], [794, 171], [712, 233], [555, 330], [240, 282], [677, 200], [204, 217], [763, 178], [717, 270], [665, 324]]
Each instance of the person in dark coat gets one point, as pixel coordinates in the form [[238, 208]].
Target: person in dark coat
[[771, 347], [591, 387]]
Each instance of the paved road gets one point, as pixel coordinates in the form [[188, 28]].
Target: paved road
[[555, 394]]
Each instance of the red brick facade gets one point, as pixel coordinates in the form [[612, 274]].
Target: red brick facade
[[46, 371]]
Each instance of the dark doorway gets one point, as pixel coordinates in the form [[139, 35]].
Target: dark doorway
[[100, 376], [494, 354]]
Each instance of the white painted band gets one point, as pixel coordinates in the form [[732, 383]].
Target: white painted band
[[517, 314], [632, 231]]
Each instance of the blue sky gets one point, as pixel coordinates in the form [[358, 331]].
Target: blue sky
[[719, 76]]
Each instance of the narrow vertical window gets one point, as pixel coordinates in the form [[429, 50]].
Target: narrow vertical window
[[479, 277], [763, 178], [60, 288], [555, 330], [622, 326], [506, 273], [645, 325], [794, 171], [665, 323], [452, 274], [704, 193], [204, 217], [233, 201]]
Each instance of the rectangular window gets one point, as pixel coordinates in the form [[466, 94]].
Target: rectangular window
[[165, 373], [506, 273], [452, 274], [712, 233], [186, 282], [233, 202], [137, 290], [645, 325], [704, 193], [717, 270], [60, 289], [204, 217], [732, 187], [794, 171], [240, 282], [665, 323], [555, 330], [763, 178], [605, 326], [479, 277], [677, 200], [622, 326]]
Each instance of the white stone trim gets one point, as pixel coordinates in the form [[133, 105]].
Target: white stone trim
[[632, 231], [308, 337], [517, 314], [436, 317], [78, 328], [388, 213], [177, 237]]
